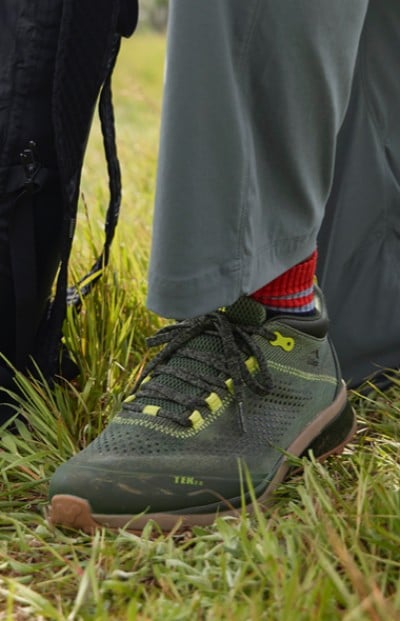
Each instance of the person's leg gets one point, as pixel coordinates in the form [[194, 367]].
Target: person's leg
[[255, 96], [359, 243], [30, 221], [55, 56]]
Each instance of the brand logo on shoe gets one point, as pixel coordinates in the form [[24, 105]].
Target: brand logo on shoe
[[284, 342], [181, 480]]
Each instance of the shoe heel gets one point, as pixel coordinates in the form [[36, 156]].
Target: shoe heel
[[335, 436]]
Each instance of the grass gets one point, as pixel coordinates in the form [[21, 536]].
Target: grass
[[330, 547]]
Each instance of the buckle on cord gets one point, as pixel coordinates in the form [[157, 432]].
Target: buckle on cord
[[31, 165]]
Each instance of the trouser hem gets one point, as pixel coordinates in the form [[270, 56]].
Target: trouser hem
[[222, 285]]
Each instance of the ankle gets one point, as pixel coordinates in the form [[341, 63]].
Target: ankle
[[292, 292]]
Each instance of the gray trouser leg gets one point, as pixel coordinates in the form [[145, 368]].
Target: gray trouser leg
[[255, 95], [360, 238]]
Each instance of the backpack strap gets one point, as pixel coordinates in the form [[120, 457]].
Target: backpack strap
[[87, 51], [76, 293], [24, 181], [23, 254]]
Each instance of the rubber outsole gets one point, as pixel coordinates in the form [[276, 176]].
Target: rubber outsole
[[74, 512]]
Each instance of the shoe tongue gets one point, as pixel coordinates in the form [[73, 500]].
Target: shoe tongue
[[247, 312]]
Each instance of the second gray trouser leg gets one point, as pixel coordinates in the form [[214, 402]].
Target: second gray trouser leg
[[360, 239], [255, 95]]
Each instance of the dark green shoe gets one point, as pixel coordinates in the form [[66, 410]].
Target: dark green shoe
[[228, 389]]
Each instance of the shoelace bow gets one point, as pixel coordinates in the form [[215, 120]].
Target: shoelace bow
[[236, 340]]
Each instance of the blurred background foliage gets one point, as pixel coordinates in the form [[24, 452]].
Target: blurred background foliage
[[154, 14]]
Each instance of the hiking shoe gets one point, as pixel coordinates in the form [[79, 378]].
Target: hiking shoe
[[229, 389]]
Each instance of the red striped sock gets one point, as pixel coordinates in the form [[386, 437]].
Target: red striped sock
[[292, 291]]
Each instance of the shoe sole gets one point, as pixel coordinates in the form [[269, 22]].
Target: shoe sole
[[337, 422]]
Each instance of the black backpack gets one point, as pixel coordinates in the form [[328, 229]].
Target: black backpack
[[56, 60]]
